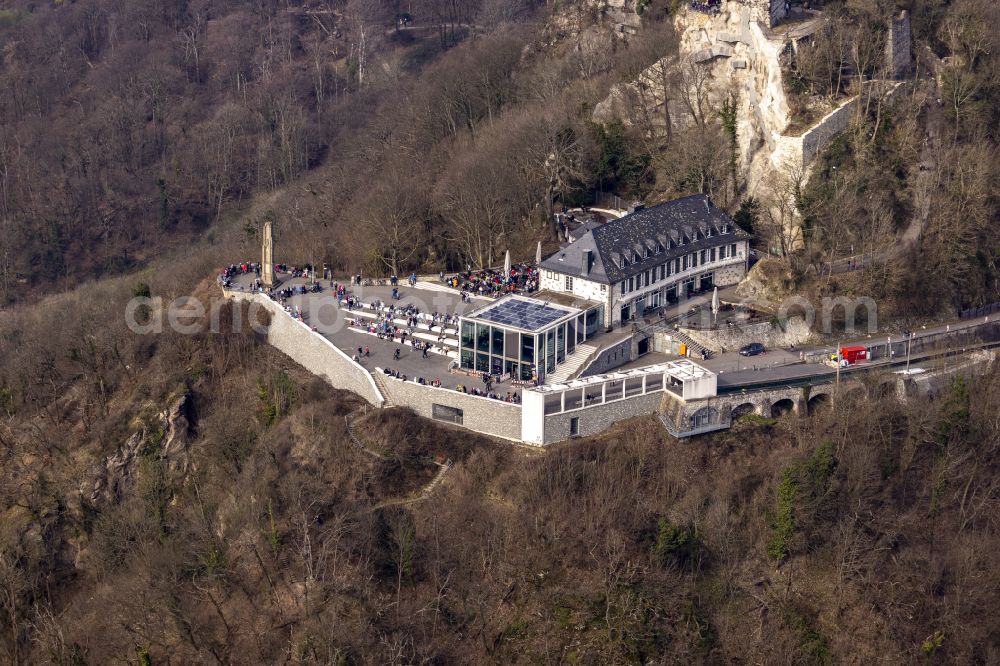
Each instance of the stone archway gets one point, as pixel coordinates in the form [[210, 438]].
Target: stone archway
[[855, 395], [818, 401], [782, 407], [742, 410], [882, 389]]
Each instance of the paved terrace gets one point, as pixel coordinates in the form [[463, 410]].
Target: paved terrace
[[329, 318]]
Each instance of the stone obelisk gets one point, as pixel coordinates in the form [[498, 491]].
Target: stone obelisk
[[267, 258]]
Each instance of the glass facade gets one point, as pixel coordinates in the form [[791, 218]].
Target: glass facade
[[496, 349]]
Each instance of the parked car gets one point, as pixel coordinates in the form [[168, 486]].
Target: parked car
[[752, 349]]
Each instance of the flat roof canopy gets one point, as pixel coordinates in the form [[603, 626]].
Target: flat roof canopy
[[522, 313], [682, 370]]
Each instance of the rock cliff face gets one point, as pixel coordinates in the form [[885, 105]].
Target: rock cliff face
[[166, 440], [579, 20], [728, 54]]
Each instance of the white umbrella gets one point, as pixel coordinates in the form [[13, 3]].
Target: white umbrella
[[506, 264], [715, 302], [538, 253]]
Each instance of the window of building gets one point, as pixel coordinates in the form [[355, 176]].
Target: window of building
[[732, 250], [574, 426], [708, 232], [701, 260], [722, 252], [604, 288], [711, 254], [631, 284], [569, 283], [622, 287], [684, 265]]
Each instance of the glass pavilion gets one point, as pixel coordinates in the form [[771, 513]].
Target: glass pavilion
[[525, 338]]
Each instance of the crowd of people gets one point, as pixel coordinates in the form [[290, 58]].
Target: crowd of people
[[486, 392], [707, 6], [522, 279], [254, 268], [234, 270], [510, 397], [389, 331], [385, 324], [282, 295], [419, 380]]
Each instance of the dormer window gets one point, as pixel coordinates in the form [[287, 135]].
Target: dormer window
[[725, 228], [659, 247], [708, 232], [636, 258]]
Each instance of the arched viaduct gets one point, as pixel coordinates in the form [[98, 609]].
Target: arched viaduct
[[719, 412]]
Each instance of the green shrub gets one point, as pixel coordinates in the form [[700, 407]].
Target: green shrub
[[677, 544], [783, 524], [812, 643], [802, 488]]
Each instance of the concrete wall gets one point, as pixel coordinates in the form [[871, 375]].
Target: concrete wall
[[727, 338], [485, 415], [614, 356], [314, 352]]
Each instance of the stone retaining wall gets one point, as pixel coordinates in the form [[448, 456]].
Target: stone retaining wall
[[730, 338], [608, 359], [596, 419], [312, 351], [485, 415]]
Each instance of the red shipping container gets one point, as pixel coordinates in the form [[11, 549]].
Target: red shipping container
[[854, 354]]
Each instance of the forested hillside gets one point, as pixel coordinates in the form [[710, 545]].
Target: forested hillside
[[202, 500], [130, 130]]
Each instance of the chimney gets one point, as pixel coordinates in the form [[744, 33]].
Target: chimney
[[586, 262]]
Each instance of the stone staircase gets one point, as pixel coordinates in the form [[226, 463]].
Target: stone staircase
[[573, 364], [379, 379], [694, 348]]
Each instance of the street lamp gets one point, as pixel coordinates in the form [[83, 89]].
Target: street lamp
[[909, 337]]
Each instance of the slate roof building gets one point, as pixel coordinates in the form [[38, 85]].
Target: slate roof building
[[649, 258]]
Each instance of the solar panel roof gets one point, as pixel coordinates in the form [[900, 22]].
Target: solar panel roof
[[522, 313]]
